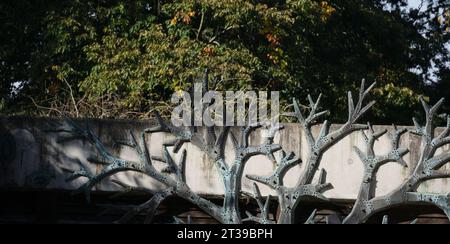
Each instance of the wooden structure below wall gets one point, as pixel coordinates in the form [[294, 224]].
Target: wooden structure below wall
[[61, 207]]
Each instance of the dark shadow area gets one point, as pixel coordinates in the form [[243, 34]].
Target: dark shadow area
[[61, 207], [334, 210], [425, 214], [7, 148]]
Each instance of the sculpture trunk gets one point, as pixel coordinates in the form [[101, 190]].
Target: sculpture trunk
[[310, 169], [358, 211], [288, 211], [232, 183]]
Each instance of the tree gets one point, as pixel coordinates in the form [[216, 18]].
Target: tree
[[19, 43], [118, 58]]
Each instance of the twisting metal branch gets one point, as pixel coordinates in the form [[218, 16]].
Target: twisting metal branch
[[428, 167], [148, 207], [275, 181], [263, 207], [290, 197], [287, 197], [373, 162], [176, 186]]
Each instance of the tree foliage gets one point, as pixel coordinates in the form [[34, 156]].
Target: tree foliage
[[117, 58]]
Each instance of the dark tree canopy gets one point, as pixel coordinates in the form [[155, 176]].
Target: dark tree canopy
[[119, 58]]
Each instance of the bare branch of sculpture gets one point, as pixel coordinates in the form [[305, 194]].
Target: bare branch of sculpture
[[289, 198], [263, 207], [171, 176], [428, 167]]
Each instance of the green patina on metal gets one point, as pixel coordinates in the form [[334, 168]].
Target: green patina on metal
[[213, 144]]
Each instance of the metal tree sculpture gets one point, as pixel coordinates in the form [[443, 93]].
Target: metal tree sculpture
[[427, 168], [213, 144], [231, 176], [289, 198], [176, 185], [173, 176]]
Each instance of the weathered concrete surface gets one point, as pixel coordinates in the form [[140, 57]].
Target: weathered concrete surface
[[31, 157]]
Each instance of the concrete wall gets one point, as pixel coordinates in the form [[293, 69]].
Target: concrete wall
[[31, 157]]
